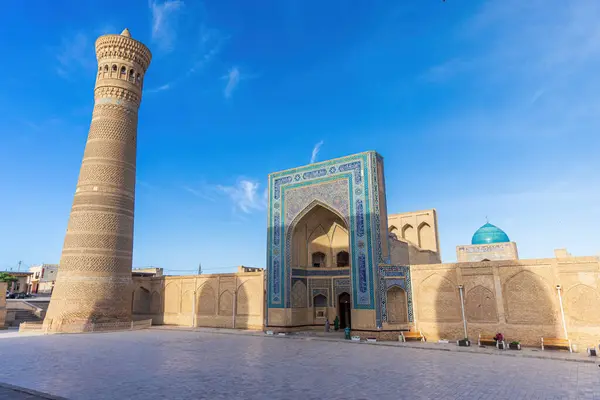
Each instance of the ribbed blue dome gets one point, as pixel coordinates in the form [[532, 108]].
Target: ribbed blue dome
[[489, 233]]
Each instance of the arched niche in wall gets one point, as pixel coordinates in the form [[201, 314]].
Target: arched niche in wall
[[317, 229], [528, 299], [206, 300], [408, 233], [438, 300], [226, 303], [426, 236], [480, 305], [299, 297], [142, 301], [172, 298], [187, 302], [580, 300], [397, 305], [342, 259], [320, 306], [245, 299], [156, 303]]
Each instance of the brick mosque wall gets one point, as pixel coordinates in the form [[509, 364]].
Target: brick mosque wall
[[515, 297], [217, 300]]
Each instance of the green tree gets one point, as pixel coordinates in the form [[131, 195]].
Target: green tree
[[6, 277]]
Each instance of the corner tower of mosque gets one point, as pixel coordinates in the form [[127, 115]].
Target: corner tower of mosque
[[94, 283]]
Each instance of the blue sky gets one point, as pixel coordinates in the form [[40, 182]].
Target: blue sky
[[479, 109]]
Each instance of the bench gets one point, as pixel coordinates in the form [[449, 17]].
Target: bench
[[411, 335], [486, 339], [489, 339], [556, 342]]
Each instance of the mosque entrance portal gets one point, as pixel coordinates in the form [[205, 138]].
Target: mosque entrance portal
[[344, 306]]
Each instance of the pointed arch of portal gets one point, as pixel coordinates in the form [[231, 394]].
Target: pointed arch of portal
[[291, 228], [312, 205]]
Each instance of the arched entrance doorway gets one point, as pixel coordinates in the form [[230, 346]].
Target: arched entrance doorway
[[344, 310], [319, 237], [320, 307]]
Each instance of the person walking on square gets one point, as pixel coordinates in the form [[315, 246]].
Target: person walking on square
[[327, 325], [336, 323]]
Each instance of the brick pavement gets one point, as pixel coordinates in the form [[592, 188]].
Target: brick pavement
[[527, 352], [156, 364]]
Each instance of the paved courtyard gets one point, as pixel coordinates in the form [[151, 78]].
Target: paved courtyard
[[154, 364]]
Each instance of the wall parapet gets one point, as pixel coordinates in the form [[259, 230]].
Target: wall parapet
[[511, 263]]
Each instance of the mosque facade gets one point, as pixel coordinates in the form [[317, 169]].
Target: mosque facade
[[330, 252], [333, 250]]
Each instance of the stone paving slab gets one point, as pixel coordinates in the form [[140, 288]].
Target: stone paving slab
[[171, 364], [526, 352]]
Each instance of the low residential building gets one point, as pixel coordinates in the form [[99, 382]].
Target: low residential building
[[20, 285], [147, 271], [242, 269], [42, 278]]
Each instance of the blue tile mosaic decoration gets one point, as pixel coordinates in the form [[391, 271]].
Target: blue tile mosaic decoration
[[393, 275], [316, 272], [316, 292], [348, 187], [340, 285], [295, 279]]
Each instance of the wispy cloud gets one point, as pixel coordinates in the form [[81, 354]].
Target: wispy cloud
[[46, 124], [536, 96], [446, 70], [245, 195], [165, 17], [233, 79], [75, 53], [211, 42], [145, 184], [160, 88], [203, 191], [315, 152], [513, 55]]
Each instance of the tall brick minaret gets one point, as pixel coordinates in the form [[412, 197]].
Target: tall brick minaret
[[94, 277]]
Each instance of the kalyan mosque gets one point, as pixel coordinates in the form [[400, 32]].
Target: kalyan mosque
[[332, 250]]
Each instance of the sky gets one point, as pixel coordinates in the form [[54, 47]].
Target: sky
[[479, 108]]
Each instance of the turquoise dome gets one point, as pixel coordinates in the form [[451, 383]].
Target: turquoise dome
[[489, 233]]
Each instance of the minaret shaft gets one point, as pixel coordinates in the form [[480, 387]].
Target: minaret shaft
[[94, 279]]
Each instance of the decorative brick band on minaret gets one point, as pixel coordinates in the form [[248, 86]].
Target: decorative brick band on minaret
[[94, 279]]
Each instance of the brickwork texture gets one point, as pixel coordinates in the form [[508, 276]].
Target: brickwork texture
[[94, 284]]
